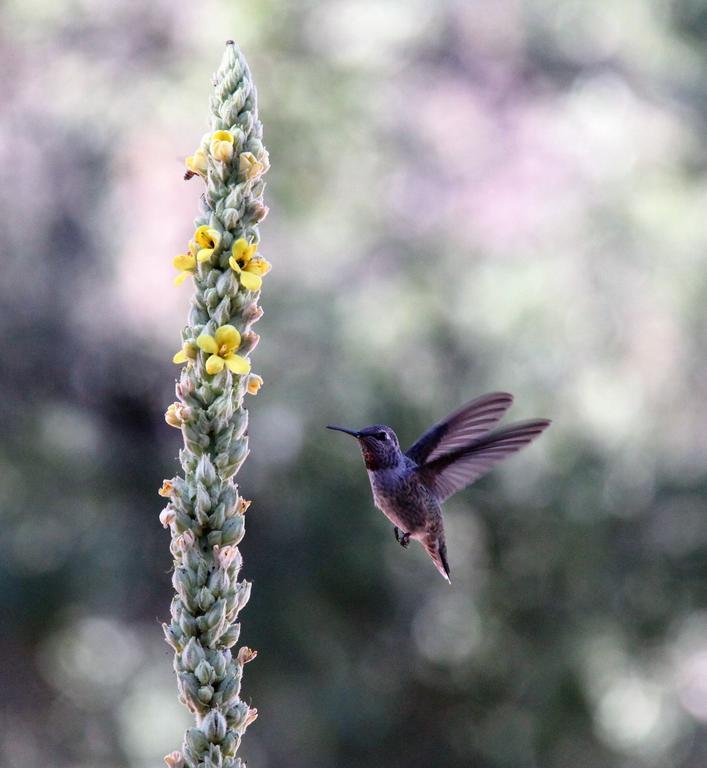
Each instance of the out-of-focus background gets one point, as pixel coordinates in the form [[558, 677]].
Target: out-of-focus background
[[501, 194]]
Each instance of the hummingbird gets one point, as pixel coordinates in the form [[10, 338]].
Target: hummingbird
[[409, 487]]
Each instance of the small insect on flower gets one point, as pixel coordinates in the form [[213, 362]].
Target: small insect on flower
[[222, 347], [207, 240], [249, 267], [221, 146]]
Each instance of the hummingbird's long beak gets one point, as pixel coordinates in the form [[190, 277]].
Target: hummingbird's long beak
[[344, 429]]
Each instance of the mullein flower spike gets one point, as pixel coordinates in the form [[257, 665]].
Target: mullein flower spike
[[205, 512]]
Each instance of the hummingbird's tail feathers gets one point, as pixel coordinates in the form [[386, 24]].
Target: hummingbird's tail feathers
[[437, 550], [467, 423], [447, 474]]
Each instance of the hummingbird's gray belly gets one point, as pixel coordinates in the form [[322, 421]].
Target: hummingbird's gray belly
[[403, 499]]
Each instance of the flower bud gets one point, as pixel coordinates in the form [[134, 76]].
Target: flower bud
[[205, 599], [257, 211], [253, 384], [167, 516], [193, 654], [253, 313], [230, 637], [249, 341], [167, 489], [205, 693], [245, 655], [218, 663], [229, 688], [214, 726], [174, 415], [174, 760], [197, 740], [204, 672], [233, 530], [230, 743], [227, 555], [172, 634], [237, 714], [215, 615]]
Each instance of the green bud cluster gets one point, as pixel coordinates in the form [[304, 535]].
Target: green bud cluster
[[205, 513]]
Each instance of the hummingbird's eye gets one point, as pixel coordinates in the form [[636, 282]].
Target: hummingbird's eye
[[382, 436]]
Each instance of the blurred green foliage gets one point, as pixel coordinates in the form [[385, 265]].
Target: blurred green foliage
[[464, 197]]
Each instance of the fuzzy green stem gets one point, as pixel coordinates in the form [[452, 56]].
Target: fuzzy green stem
[[205, 513]]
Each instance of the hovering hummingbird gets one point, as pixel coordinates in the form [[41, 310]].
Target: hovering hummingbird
[[409, 487]]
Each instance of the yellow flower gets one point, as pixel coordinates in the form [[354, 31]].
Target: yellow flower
[[174, 415], [251, 167], [222, 347], [196, 164], [187, 352], [254, 384], [206, 241], [221, 146], [186, 264], [166, 489], [248, 267]]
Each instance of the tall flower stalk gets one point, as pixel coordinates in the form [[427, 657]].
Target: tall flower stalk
[[205, 513]]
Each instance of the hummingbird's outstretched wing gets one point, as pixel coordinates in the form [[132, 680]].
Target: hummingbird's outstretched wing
[[445, 475], [461, 427]]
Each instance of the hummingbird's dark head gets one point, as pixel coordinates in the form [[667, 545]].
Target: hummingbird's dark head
[[379, 445]]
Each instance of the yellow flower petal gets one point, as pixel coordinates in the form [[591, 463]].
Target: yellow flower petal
[[181, 277], [207, 237], [234, 264], [228, 336], [204, 254], [184, 261], [214, 364], [197, 162], [222, 136], [187, 352], [251, 167], [173, 415], [259, 266], [207, 343], [250, 281], [238, 364], [243, 250], [200, 236], [221, 151]]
